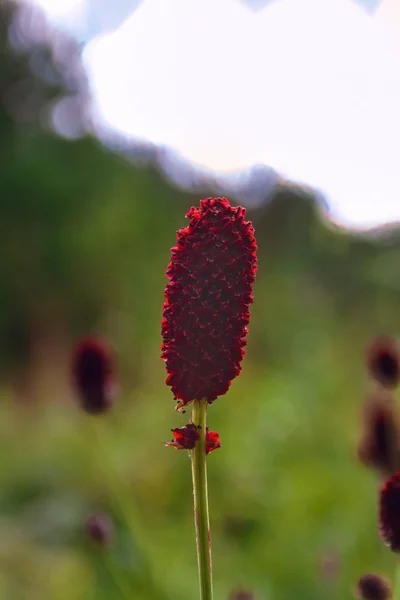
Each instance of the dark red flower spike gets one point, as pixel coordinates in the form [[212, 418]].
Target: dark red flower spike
[[373, 587], [207, 299], [93, 374], [389, 513], [382, 359]]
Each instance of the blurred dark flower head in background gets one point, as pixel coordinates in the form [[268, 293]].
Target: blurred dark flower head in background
[[241, 594], [379, 446], [382, 359], [389, 513], [241, 529], [373, 587], [100, 529], [329, 564], [94, 374]]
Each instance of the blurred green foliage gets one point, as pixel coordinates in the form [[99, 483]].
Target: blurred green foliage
[[84, 240]]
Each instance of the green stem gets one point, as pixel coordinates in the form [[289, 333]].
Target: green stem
[[201, 514]]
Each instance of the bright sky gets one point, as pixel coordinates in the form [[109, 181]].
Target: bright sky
[[310, 87], [63, 8]]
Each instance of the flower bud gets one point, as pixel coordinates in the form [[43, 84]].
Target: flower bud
[[212, 441], [186, 437]]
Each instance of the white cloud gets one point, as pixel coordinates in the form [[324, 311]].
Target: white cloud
[[311, 88]]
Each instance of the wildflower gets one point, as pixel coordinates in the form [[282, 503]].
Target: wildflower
[[379, 447], [207, 299], [382, 359], [373, 587], [389, 513], [93, 374], [99, 528], [185, 438]]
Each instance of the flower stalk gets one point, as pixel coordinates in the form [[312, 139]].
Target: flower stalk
[[200, 495], [204, 328]]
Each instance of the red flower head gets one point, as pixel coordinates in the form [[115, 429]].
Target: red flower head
[[389, 513], [373, 587], [93, 374], [207, 299], [185, 438]]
